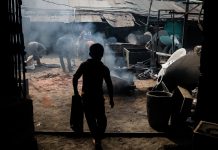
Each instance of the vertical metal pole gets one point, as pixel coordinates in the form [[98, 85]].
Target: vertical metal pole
[[185, 23], [173, 44], [148, 18]]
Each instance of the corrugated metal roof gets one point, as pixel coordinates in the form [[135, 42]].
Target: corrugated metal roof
[[46, 4], [116, 12]]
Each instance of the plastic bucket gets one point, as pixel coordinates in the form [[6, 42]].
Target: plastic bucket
[[159, 109]]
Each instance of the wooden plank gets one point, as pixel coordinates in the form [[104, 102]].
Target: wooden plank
[[185, 93]]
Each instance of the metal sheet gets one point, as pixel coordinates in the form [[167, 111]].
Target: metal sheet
[[88, 18], [64, 19], [120, 20]]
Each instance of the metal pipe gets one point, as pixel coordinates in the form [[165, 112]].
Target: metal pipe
[[108, 134]]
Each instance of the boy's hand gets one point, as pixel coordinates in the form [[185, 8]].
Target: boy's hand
[[112, 103]]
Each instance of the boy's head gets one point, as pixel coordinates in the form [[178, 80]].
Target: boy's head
[[96, 51]]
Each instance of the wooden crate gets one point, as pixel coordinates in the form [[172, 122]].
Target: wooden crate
[[134, 55], [205, 136]]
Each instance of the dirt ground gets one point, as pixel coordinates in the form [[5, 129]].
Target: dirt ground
[[51, 89]]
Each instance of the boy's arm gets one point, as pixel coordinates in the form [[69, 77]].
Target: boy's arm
[[109, 87], [76, 77]]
